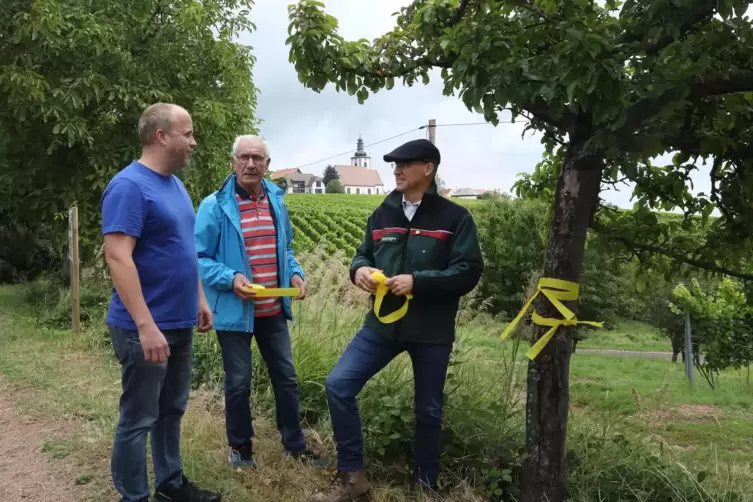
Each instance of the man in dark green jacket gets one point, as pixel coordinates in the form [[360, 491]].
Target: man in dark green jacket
[[427, 248]]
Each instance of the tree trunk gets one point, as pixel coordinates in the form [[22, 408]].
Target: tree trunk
[[677, 346], [548, 397]]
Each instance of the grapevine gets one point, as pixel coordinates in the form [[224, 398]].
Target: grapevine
[[337, 222]]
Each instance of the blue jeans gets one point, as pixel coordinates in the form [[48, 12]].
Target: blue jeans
[[364, 357], [273, 339], [154, 399]]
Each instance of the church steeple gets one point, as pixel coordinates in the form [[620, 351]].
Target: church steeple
[[360, 158]]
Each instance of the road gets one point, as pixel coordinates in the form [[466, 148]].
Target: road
[[667, 356]]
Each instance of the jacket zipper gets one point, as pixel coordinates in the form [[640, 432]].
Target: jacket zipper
[[280, 231], [403, 269], [283, 254]]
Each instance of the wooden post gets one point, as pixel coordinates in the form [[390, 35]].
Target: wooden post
[[688, 349], [75, 273], [433, 131]]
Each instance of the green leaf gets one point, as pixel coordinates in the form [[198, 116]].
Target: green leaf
[[577, 35], [547, 93]]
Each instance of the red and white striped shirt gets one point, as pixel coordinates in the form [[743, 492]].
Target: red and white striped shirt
[[260, 237]]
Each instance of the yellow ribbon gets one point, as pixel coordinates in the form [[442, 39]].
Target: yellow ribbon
[[556, 291], [381, 292], [262, 292]]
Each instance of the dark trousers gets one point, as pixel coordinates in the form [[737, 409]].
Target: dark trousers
[[273, 339], [364, 357], [154, 399]]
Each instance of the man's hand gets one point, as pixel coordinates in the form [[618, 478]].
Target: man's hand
[[240, 287], [297, 282], [205, 316], [364, 279], [154, 344], [400, 285]]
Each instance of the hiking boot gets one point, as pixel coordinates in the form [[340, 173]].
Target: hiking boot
[[310, 457], [242, 457], [345, 487], [187, 492]]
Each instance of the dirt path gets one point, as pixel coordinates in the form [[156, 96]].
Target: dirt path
[[26, 474]]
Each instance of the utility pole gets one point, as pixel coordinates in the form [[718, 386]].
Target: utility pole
[[433, 131]]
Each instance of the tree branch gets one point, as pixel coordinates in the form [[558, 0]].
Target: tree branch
[[721, 83], [685, 141], [705, 11], [542, 111], [458, 15], [697, 89], [669, 253]]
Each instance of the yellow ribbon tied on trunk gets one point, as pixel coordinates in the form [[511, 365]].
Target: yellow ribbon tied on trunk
[[556, 291], [262, 292], [381, 292]]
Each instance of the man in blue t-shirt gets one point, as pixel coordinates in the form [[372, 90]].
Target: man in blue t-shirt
[[157, 300]]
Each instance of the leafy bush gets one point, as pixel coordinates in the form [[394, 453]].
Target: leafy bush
[[513, 240], [54, 304], [720, 321], [26, 252], [334, 186]]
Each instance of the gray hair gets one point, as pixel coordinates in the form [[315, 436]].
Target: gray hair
[[155, 117], [250, 137]]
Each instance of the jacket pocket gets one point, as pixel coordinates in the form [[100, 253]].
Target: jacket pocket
[[216, 303], [428, 250]]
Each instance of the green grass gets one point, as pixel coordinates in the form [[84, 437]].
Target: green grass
[[627, 335], [636, 426]]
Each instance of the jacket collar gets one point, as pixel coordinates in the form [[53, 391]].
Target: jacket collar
[[227, 190]]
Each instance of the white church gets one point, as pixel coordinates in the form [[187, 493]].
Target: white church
[[359, 178]]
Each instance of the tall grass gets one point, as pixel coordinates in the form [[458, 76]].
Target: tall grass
[[480, 412]]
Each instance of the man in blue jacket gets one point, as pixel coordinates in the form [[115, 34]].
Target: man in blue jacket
[[243, 237]]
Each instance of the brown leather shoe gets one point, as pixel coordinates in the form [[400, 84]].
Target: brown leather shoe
[[345, 487]]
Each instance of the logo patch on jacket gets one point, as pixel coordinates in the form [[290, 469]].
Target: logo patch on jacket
[[392, 238]]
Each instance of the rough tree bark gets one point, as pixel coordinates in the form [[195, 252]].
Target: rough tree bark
[[548, 394]]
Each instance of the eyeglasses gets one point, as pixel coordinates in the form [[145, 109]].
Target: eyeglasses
[[244, 158]]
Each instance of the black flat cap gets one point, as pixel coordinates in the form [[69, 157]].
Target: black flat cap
[[418, 149]]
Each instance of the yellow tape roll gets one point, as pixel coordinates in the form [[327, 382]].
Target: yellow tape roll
[[556, 291], [262, 292], [381, 292]]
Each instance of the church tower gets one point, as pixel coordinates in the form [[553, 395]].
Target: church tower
[[360, 158]]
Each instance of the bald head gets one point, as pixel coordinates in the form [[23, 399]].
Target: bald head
[[155, 117], [166, 134]]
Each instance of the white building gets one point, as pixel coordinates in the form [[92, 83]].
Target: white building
[[299, 182], [359, 178]]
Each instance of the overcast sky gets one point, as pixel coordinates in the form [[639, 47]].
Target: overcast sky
[[303, 126]]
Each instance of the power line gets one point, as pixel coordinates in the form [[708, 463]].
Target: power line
[[365, 146], [474, 123], [425, 126]]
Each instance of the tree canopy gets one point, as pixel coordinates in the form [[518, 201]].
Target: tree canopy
[[610, 87], [329, 174], [76, 74], [627, 82]]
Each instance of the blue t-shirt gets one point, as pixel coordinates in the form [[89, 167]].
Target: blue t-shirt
[[157, 210]]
